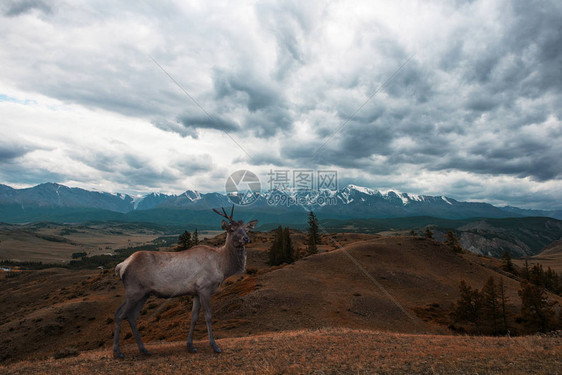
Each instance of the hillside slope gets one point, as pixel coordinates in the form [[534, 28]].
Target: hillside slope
[[551, 257], [384, 283], [524, 236], [46, 311]]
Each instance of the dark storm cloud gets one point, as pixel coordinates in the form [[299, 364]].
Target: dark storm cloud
[[140, 171], [11, 151], [267, 110], [19, 7], [127, 168], [204, 122], [256, 94], [22, 173], [266, 123], [175, 127], [538, 30], [145, 177], [508, 80]]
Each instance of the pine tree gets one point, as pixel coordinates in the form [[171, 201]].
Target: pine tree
[[195, 238], [313, 238], [551, 280], [184, 240], [555, 281], [453, 242], [503, 305], [490, 312], [276, 249], [313, 231], [525, 274], [507, 263], [428, 233], [468, 305], [536, 276], [536, 310], [288, 252]]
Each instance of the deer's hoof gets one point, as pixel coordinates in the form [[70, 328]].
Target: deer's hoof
[[118, 355], [145, 352], [216, 348], [191, 348]]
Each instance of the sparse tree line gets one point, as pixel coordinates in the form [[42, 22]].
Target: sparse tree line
[[85, 262], [282, 250], [547, 279], [451, 240], [186, 240], [536, 275], [488, 311]]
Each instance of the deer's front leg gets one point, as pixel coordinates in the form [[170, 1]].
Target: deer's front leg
[[205, 302]]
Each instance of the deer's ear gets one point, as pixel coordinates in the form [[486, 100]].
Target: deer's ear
[[225, 225], [250, 224]]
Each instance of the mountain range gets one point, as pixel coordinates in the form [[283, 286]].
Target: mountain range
[[481, 227], [350, 202]]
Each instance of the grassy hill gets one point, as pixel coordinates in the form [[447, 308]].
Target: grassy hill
[[332, 350], [373, 283]]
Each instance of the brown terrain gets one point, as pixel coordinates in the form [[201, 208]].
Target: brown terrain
[[53, 243], [367, 303], [551, 257]]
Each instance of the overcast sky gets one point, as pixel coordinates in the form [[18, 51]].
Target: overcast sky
[[452, 98]]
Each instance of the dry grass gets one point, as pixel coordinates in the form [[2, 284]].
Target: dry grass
[[323, 351]]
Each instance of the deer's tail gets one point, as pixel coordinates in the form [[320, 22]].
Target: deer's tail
[[121, 267]]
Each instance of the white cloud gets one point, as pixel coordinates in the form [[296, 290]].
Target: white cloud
[[475, 114]]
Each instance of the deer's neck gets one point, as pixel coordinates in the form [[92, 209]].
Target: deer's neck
[[233, 259]]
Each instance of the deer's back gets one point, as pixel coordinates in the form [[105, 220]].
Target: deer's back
[[174, 273]]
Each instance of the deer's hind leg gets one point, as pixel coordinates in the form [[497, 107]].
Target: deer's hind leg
[[120, 314], [132, 316], [129, 310]]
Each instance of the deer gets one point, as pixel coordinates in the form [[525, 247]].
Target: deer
[[198, 272]]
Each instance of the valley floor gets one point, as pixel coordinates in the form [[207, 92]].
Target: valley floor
[[323, 351]]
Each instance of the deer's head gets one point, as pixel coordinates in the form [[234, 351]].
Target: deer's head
[[236, 230]]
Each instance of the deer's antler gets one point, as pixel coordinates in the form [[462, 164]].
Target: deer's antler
[[224, 214]]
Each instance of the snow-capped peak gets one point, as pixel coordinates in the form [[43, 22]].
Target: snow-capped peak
[[361, 189], [446, 200], [192, 195]]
